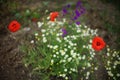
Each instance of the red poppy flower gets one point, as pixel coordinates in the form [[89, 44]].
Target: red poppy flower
[[14, 26], [53, 15], [98, 43]]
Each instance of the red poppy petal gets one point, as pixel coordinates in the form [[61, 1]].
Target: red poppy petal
[[95, 42], [14, 26]]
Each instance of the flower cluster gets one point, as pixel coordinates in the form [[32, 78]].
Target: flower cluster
[[64, 50], [112, 63]]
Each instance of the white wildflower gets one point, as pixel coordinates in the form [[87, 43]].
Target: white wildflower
[[66, 56], [62, 52], [66, 78], [96, 68], [55, 47], [89, 65], [78, 31], [57, 52], [90, 41], [39, 24], [58, 39], [43, 30], [88, 73], [66, 49], [44, 40], [79, 58], [69, 59], [85, 26], [110, 73], [48, 18], [84, 46], [65, 70], [32, 41], [74, 55], [54, 55], [83, 57], [69, 47], [64, 20], [36, 34], [52, 61], [108, 54], [118, 75]]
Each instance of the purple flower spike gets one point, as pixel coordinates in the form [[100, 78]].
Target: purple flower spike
[[78, 23], [64, 32]]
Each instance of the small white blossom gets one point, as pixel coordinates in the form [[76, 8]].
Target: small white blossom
[[85, 26], [58, 39], [69, 47], [83, 57], [74, 55], [64, 20], [69, 59], [55, 47], [79, 58], [118, 75], [57, 52], [32, 41], [54, 55], [96, 68], [44, 40], [84, 46], [48, 18], [66, 56], [66, 78], [36, 34], [89, 65], [110, 73], [43, 30], [78, 31], [65, 70], [52, 61], [62, 52], [108, 54], [88, 73], [66, 49], [39, 24]]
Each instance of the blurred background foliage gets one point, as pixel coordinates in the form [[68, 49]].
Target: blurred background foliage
[[116, 3]]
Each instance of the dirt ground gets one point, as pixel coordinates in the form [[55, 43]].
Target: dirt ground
[[11, 67]]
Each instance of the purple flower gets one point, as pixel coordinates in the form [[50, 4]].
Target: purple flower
[[64, 31], [78, 23]]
